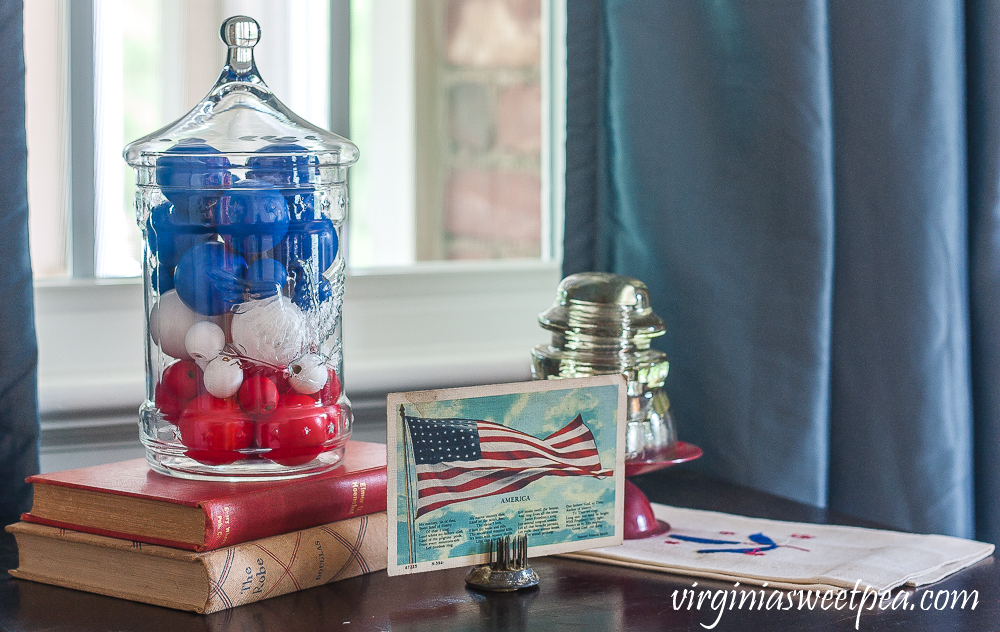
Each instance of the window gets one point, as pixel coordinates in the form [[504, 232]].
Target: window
[[113, 70], [446, 100]]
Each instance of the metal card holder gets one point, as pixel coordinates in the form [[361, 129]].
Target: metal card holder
[[508, 569]]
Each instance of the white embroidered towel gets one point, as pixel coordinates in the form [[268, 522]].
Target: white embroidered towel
[[790, 555]]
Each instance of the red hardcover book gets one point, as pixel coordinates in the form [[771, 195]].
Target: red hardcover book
[[128, 500]]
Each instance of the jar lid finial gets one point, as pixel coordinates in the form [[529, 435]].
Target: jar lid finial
[[240, 33]]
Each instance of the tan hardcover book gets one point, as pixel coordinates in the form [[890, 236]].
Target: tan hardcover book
[[202, 582]]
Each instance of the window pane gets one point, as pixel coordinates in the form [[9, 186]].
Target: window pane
[[46, 126], [446, 106], [488, 86], [117, 252], [381, 221]]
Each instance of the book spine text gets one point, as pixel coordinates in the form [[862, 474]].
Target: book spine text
[[254, 516], [281, 564]]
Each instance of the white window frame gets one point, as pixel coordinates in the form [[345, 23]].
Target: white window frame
[[425, 326]]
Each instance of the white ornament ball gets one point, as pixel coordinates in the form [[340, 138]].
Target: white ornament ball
[[272, 330], [308, 374], [169, 322], [223, 377], [204, 341]]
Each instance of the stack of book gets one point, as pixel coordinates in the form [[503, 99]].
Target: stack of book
[[123, 530]]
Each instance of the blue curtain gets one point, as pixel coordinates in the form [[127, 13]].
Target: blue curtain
[[18, 349], [811, 191]]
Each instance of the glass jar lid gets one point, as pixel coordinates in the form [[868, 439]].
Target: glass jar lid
[[237, 121]]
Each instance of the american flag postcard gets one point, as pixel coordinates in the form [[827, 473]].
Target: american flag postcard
[[543, 459]]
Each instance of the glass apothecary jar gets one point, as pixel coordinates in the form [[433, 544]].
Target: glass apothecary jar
[[241, 204]]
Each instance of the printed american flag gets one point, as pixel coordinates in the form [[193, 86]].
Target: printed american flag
[[463, 459]]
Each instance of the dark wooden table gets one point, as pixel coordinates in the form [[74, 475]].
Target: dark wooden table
[[572, 596]]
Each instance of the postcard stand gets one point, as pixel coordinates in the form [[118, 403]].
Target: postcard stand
[[508, 569]]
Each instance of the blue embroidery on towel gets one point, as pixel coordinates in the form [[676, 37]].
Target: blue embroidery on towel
[[765, 544]]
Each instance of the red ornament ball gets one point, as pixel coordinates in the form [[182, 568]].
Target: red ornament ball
[[182, 380], [330, 392], [333, 421], [295, 432], [169, 406], [275, 375], [258, 395], [293, 403], [214, 430]]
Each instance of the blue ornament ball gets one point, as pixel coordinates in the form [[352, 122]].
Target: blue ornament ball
[[293, 175], [208, 278], [187, 169], [287, 172], [308, 295], [265, 277], [253, 215], [171, 232], [301, 206], [162, 278], [308, 240]]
